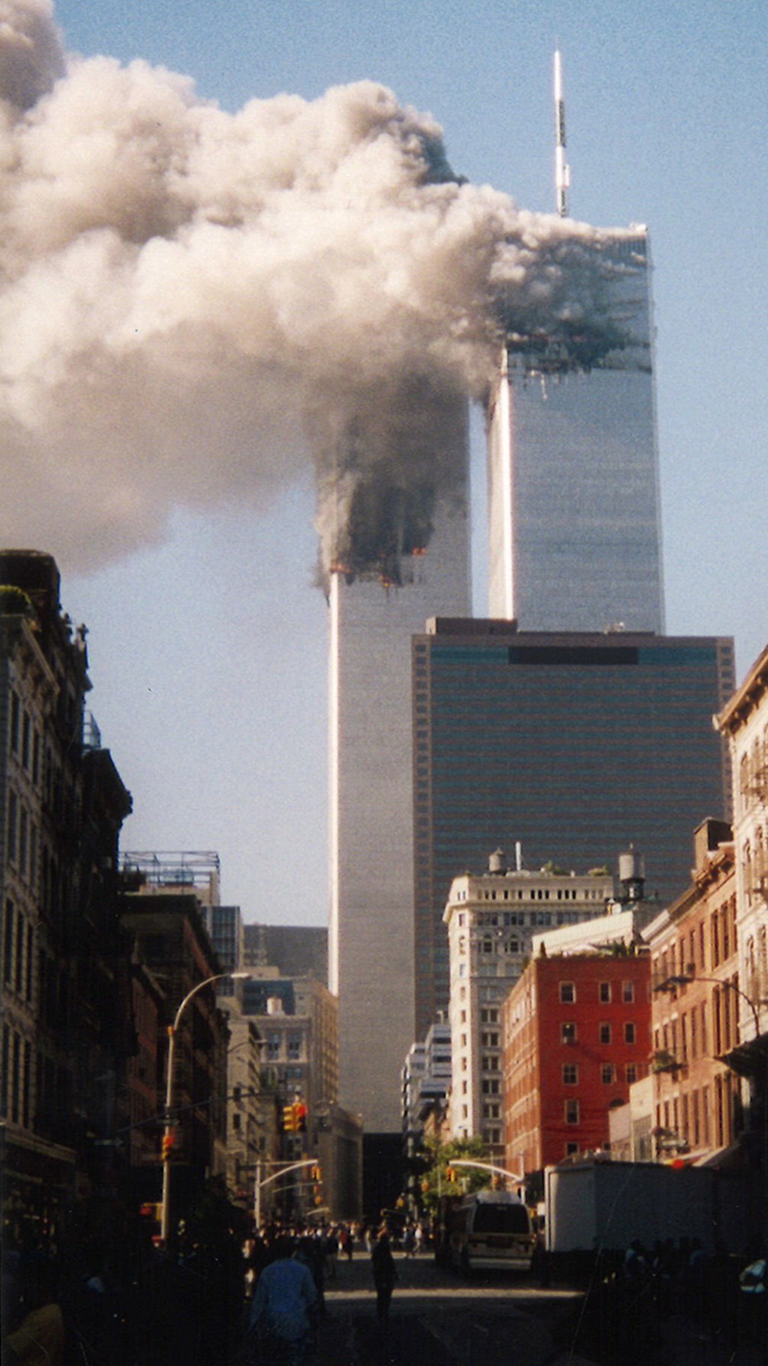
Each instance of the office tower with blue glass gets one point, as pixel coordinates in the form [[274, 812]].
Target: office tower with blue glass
[[574, 526], [574, 744]]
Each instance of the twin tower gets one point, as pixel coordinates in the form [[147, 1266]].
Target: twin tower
[[560, 721]]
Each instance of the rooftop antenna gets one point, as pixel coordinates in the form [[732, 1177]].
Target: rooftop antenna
[[562, 169]]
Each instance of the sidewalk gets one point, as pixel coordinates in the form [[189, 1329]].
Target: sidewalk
[[691, 1344]]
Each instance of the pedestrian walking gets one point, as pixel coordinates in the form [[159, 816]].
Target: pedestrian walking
[[384, 1274], [284, 1311]]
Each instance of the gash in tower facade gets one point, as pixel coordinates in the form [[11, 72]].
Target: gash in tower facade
[[573, 492]]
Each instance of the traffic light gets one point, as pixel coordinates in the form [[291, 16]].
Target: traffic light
[[300, 1115], [316, 1173], [169, 1142], [450, 1174], [289, 1119]]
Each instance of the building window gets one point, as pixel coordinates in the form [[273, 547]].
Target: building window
[[571, 1149], [294, 1046], [567, 993], [571, 1112], [628, 992], [568, 1032], [605, 1033], [607, 1074], [629, 1032], [630, 1072], [10, 916], [604, 993], [570, 1074], [13, 821], [15, 722], [26, 742]]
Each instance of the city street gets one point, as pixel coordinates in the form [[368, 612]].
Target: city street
[[438, 1319]]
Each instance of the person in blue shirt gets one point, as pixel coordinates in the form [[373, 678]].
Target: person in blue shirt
[[284, 1310]]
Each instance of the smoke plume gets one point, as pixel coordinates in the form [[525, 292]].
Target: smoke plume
[[195, 304]]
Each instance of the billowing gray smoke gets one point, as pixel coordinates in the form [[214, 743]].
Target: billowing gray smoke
[[195, 304]]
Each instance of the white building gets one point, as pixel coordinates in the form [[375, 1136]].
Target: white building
[[491, 921], [374, 610], [426, 1077], [745, 722]]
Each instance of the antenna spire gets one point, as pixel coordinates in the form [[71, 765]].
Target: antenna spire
[[562, 169]]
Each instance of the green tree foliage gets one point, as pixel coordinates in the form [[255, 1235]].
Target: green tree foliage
[[440, 1178]]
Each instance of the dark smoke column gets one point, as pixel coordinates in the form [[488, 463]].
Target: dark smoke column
[[401, 555]]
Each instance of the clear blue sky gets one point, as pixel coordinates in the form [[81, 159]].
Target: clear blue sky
[[208, 652]]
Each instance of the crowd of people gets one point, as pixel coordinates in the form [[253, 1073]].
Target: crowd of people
[[224, 1300], [263, 1300], [640, 1293]]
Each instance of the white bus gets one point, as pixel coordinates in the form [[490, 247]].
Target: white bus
[[490, 1230]]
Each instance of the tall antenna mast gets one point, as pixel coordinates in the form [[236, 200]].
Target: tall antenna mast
[[562, 169]]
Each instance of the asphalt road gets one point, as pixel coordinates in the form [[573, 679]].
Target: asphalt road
[[439, 1319]]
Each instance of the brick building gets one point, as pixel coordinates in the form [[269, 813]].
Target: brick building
[[172, 942], [66, 1006], [491, 919], [696, 1003], [576, 1036]]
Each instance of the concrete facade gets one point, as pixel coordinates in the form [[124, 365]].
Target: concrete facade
[[371, 952]]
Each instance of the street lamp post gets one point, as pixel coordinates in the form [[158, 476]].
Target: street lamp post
[[168, 1129]]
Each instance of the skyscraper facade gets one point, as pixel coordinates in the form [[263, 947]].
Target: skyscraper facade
[[573, 492], [575, 745], [371, 942]]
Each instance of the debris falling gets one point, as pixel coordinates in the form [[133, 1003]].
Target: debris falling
[[195, 304]]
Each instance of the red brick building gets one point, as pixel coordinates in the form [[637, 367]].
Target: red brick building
[[576, 1032]]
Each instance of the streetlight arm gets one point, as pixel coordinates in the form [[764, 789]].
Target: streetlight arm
[[485, 1167], [306, 1162], [217, 977]]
